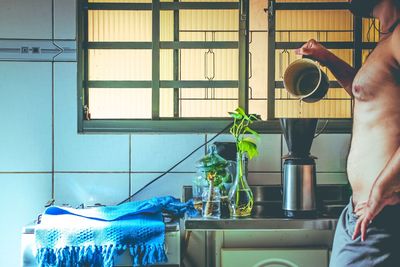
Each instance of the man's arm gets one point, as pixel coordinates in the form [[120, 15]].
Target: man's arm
[[388, 181], [342, 71]]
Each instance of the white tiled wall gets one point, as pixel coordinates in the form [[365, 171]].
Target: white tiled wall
[[26, 19], [75, 152], [92, 168], [269, 158], [65, 19], [21, 200], [154, 153], [331, 150], [170, 184], [77, 188], [25, 108]]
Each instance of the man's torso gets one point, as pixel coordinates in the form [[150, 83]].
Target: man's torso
[[376, 122]]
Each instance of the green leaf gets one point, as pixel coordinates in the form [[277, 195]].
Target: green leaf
[[217, 180], [235, 115], [248, 130], [227, 178], [241, 112], [248, 145], [251, 140]]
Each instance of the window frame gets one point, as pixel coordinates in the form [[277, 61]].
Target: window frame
[[175, 125]]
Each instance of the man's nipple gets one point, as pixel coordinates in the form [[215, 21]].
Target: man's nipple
[[357, 88]]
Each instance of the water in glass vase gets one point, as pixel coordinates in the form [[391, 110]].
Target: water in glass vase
[[243, 203], [211, 203], [211, 209], [240, 194]]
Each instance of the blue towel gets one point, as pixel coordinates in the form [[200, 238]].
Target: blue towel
[[92, 237]]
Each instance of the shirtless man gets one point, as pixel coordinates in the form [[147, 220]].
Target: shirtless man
[[368, 231]]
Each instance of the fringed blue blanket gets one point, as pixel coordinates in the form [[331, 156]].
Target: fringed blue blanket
[[92, 237]]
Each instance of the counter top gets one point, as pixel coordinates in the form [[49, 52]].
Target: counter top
[[267, 213], [202, 224]]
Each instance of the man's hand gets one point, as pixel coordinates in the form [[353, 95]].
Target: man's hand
[[314, 50], [343, 72], [366, 211]]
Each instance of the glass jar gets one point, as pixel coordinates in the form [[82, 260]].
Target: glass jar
[[216, 171], [199, 183], [212, 203]]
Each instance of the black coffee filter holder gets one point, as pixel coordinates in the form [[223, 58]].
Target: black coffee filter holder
[[299, 135]]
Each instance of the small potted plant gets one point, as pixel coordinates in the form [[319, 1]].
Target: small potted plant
[[214, 169], [240, 194]]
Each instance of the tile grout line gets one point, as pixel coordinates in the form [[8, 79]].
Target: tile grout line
[[130, 165], [25, 172], [52, 110]]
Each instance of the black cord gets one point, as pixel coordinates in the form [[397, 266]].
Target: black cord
[[321, 130], [377, 29], [391, 28], [369, 31], [173, 167]]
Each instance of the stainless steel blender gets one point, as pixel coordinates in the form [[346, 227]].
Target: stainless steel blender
[[299, 175]]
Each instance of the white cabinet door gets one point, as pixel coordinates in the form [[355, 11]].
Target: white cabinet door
[[274, 257]]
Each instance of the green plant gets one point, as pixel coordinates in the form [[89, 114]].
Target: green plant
[[215, 171], [240, 195], [242, 132]]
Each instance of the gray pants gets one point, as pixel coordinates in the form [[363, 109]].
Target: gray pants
[[382, 244]]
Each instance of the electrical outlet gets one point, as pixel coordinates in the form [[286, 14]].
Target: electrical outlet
[[35, 50], [24, 50]]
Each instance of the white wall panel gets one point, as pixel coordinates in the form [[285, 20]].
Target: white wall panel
[[157, 153], [65, 19], [170, 184], [25, 108], [30, 19], [91, 188], [331, 150], [75, 152], [22, 199]]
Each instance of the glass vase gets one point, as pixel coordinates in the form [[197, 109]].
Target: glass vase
[[211, 203], [240, 194]]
